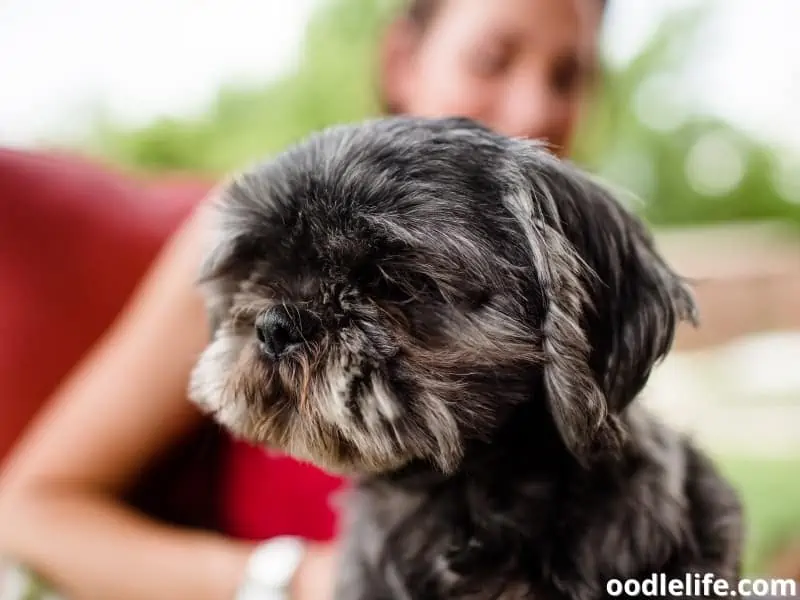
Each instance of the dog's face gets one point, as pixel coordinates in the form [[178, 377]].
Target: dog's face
[[387, 292]]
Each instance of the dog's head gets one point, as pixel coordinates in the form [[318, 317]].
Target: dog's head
[[387, 292]]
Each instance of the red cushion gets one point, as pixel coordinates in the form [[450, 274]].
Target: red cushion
[[75, 238]]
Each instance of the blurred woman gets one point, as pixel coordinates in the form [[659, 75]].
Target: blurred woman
[[523, 67]]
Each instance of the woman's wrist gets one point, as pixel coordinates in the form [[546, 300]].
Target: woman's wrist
[[226, 565], [316, 573], [281, 568]]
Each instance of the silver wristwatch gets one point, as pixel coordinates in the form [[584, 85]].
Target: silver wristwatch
[[270, 570]]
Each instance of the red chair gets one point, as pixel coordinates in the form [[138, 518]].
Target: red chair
[[75, 239]]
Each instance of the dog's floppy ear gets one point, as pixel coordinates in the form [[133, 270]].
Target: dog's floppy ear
[[576, 401], [638, 300], [610, 304]]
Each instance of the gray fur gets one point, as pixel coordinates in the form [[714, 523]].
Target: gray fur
[[489, 314]]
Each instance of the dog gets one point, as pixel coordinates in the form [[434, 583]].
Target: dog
[[460, 322]]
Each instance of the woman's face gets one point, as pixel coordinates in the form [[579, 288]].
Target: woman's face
[[522, 67]]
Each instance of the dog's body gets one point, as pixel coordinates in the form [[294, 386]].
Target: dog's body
[[462, 322], [507, 529]]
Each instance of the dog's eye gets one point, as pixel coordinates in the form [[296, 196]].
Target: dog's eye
[[383, 284], [374, 281], [477, 299], [425, 289]]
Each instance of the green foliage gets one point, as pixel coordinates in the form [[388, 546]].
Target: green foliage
[[770, 492], [334, 81], [618, 145]]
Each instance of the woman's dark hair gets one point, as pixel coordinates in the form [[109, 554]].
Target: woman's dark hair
[[421, 12]]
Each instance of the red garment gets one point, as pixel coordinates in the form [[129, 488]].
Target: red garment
[[267, 495], [75, 239]]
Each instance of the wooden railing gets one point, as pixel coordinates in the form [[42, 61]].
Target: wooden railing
[[747, 280]]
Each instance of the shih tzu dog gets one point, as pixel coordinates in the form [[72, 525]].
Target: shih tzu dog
[[461, 322]]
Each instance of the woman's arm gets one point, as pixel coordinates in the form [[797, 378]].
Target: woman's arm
[[125, 404]]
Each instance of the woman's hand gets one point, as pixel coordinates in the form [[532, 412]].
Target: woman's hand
[[315, 578]]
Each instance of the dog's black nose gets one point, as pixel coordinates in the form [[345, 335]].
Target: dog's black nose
[[282, 328]]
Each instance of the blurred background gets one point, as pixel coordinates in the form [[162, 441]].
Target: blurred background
[[698, 116]]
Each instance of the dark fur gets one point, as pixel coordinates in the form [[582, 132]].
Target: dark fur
[[488, 314]]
